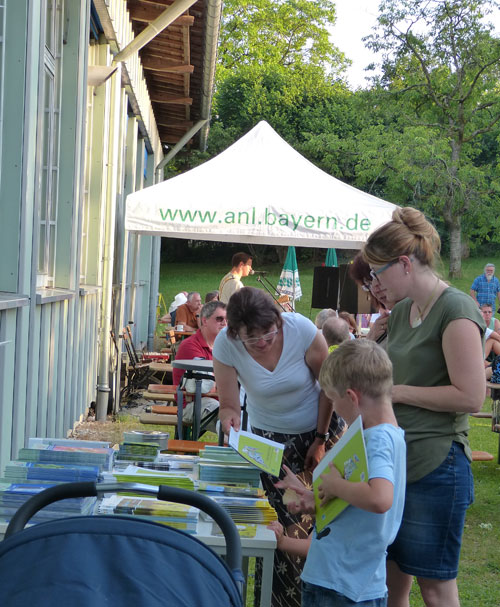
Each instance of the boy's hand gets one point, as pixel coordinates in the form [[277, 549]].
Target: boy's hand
[[328, 488], [304, 501], [279, 531]]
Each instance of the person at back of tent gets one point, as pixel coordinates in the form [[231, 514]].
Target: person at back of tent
[[335, 331], [179, 299], [188, 315], [323, 315], [241, 267], [345, 563]]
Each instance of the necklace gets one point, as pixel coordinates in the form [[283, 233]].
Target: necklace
[[418, 319]]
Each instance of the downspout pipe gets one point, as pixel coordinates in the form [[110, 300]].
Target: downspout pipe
[[214, 12], [174, 11], [103, 387]]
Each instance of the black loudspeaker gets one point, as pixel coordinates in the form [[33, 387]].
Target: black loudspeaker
[[325, 293], [332, 288]]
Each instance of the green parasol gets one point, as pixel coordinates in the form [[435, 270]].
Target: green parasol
[[331, 258], [289, 282]]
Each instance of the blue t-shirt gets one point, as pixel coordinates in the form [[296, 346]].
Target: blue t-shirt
[[486, 290], [286, 399], [350, 555]]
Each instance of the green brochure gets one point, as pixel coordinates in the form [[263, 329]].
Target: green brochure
[[349, 457], [263, 453]]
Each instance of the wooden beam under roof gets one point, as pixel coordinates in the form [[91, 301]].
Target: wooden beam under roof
[[139, 11], [174, 124], [174, 100], [165, 65]]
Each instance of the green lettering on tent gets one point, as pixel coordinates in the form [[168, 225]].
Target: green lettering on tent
[[296, 221], [365, 224], [207, 216], [283, 219], [241, 214], [168, 215], [349, 223], [269, 218], [333, 220], [230, 217]]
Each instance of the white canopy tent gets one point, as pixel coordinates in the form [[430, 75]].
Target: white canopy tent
[[261, 191]]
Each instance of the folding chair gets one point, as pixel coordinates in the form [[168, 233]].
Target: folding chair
[[138, 374]]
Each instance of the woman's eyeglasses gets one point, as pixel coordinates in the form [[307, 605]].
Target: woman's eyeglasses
[[375, 273], [254, 340]]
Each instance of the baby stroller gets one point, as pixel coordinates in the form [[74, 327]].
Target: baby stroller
[[116, 560]]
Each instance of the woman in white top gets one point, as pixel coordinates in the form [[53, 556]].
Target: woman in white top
[[276, 358]]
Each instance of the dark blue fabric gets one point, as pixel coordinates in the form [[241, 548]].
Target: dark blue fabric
[[111, 561]]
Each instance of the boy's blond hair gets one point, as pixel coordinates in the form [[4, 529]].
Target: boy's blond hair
[[358, 364]]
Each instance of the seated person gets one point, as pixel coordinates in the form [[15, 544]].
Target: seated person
[[188, 314], [335, 331], [353, 327], [212, 296], [179, 299], [199, 346], [491, 322], [322, 315], [491, 346]]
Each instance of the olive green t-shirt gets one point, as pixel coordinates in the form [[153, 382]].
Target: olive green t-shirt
[[418, 360]]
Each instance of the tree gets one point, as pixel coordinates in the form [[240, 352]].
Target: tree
[[277, 32], [440, 59]]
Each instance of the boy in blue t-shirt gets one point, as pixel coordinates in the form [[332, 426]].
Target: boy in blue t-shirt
[[345, 563]]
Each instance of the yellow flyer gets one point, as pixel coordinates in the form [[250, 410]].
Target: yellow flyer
[[349, 457], [263, 453]]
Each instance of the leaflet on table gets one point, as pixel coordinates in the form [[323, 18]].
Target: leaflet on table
[[349, 457], [259, 451]]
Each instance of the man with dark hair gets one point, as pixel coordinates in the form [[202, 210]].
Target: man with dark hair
[[241, 267], [199, 346]]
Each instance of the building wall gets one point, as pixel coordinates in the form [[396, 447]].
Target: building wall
[[53, 316]]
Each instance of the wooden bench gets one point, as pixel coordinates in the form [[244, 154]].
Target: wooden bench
[[186, 446]]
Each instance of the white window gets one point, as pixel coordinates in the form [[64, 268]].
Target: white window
[[48, 145]]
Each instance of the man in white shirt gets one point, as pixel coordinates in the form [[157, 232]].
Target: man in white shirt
[[241, 267]]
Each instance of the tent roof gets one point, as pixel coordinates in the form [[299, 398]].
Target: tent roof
[[262, 191]]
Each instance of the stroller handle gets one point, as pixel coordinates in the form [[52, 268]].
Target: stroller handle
[[163, 492]]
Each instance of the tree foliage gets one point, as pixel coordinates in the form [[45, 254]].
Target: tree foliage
[[277, 32], [442, 61]]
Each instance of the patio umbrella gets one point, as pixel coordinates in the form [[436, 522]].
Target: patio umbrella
[[331, 258], [289, 282]]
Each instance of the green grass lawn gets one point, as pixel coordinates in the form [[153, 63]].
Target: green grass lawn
[[480, 563]]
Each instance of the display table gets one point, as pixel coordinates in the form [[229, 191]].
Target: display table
[[261, 546]]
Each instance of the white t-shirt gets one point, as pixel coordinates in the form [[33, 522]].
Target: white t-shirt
[[286, 399]]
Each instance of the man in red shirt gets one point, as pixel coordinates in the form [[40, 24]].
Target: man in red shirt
[[199, 346]]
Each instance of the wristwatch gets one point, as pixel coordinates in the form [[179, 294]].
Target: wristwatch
[[323, 437]]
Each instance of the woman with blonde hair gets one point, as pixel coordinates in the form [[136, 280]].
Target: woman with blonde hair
[[435, 345]]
